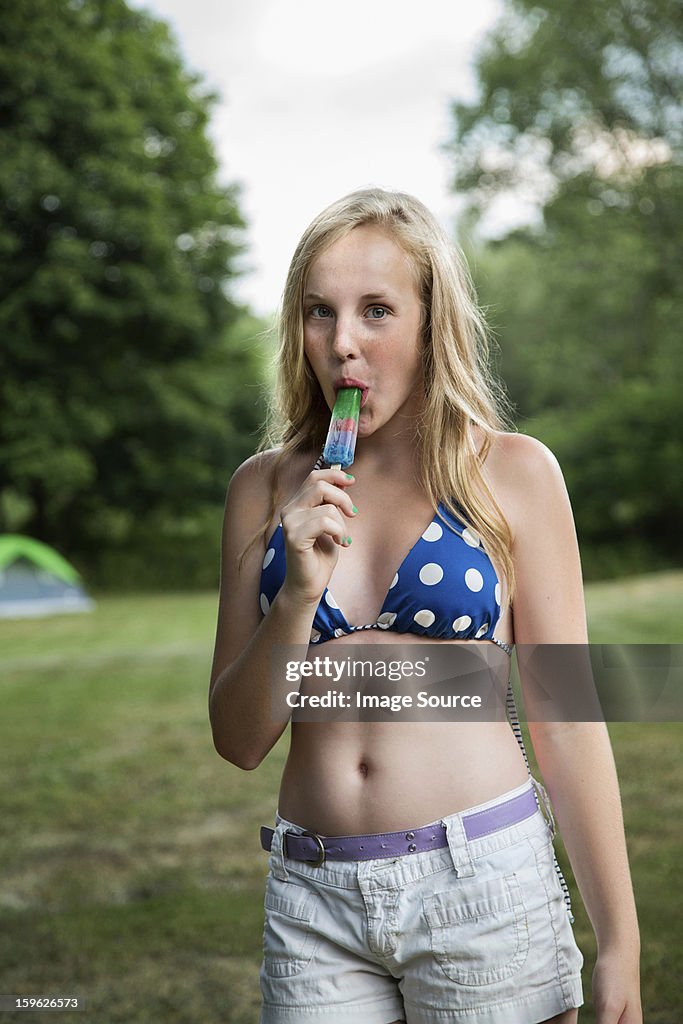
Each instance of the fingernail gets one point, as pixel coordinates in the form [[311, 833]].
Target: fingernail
[[348, 540], [348, 476], [354, 509]]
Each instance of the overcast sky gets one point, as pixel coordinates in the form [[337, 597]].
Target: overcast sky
[[319, 99]]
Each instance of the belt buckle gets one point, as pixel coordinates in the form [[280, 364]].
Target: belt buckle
[[321, 854]]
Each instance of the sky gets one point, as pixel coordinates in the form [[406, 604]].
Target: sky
[[318, 99]]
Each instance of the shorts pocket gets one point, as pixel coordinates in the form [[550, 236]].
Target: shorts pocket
[[479, 932], [288, 939]]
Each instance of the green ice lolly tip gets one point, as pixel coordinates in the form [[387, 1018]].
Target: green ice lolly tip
[[347, 404]]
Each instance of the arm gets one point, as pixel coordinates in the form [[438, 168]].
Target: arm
[[575, 758], [242, 721]]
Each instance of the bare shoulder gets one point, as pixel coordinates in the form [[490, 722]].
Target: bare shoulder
[[247, 503], [517, 453], [254, 482], [527, 481], [254, 477], [524, 475], [248, 506]]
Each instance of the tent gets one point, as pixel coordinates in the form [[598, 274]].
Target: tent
[[35, 580]]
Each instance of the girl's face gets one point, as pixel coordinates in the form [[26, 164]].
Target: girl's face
[[362, 315]]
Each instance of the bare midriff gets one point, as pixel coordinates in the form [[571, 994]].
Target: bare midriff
[[353, 778]]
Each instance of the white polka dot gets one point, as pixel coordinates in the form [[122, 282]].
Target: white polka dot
[[431, 573], [270, 555], [497, 593], [481, 631], [461, 624], [474, 580], [315, 636], [265, 604], [329, 600], [424, 617], [393, 582], [433, 532], [386, 620], [471, 537]]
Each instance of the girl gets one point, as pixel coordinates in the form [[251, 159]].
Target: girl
[[411, 871]]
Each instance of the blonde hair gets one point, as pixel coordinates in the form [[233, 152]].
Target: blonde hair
[[459, 387]]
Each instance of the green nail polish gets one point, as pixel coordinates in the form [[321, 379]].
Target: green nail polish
[[354, 509], [348, 540], [348, 476]]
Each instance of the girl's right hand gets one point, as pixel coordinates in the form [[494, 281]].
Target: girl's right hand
[[315, 528]]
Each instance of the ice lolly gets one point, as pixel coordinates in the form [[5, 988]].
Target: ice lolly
[[341, 437]]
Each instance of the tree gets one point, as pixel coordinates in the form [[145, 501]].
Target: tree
[[569, 90], [577, 112], [119, 382]]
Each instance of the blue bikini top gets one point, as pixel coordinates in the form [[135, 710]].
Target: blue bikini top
[[445, 588]]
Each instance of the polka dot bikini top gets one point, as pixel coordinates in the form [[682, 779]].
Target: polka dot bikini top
[[445, 588]]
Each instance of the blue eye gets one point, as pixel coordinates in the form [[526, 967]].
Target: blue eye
[[377, 312], [320, 312]]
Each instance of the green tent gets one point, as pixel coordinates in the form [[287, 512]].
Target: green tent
[[35, 580]]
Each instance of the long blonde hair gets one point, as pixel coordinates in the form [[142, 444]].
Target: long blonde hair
[[459, 387]]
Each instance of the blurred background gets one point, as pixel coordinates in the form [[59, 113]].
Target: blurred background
[[158, 163]]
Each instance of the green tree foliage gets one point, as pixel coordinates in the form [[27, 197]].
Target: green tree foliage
[[123, 359], [578, 112], [566, 88]]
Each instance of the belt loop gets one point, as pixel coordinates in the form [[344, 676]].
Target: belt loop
[[545, 806], [459, 847], [277, 854]]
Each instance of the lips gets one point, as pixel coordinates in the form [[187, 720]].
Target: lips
[[351, 382]]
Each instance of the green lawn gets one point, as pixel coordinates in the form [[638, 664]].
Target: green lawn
[[131, 869]]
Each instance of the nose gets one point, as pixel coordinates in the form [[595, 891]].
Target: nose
[[345, 341]]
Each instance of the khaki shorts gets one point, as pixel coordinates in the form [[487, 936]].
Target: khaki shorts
[[477, 932]]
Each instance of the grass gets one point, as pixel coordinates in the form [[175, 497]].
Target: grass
[[131, 869]]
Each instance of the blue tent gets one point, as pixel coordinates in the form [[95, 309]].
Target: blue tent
[[36, 581]]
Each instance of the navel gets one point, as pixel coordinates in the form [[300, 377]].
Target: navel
[[363, 769]]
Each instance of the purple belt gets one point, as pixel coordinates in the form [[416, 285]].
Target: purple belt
[[315, 849]]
